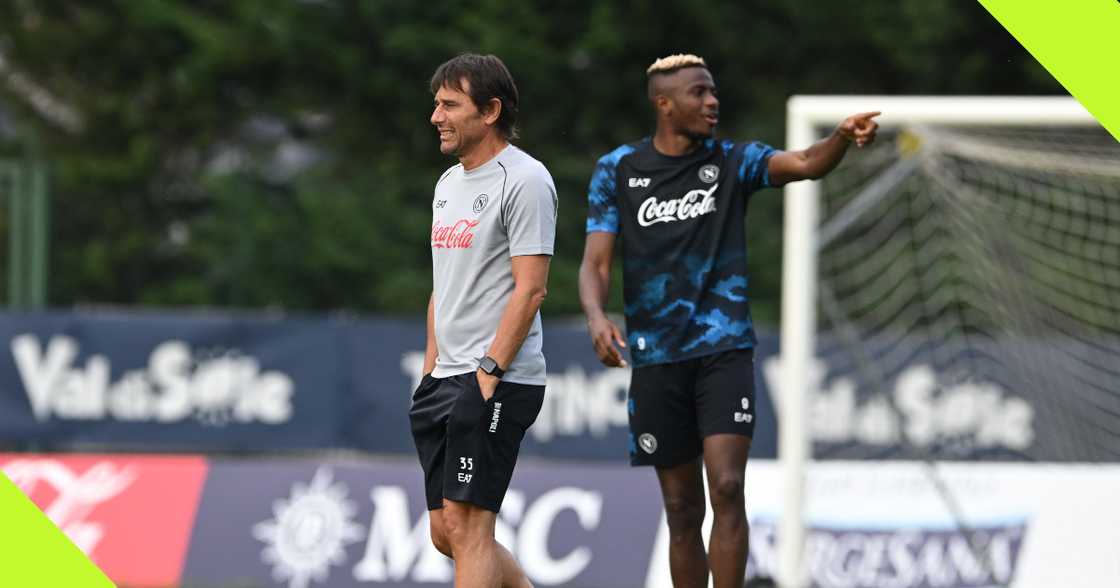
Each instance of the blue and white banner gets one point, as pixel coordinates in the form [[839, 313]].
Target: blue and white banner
[[207, 382], [306, 523], [169, 382]]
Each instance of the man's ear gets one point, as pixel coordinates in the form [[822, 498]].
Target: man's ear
[[663, 104], [492, 112]]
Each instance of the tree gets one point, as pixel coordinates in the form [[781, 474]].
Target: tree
[[263, 153]]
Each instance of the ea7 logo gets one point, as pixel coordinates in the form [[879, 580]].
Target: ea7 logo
[[465, 463], [639, 182], [744, 417]]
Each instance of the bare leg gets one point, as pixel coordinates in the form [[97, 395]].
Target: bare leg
[[725, 458], [682, 490], [512, 574], [439, 532], [480, 561]]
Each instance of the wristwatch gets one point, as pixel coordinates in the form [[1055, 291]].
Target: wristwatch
[[488, 365]]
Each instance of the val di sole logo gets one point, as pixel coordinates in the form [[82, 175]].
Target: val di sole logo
[[310, 531], [648, 443], [709, 173], [480, 203], [216, 386]]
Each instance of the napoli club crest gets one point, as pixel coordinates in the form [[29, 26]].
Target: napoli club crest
[[480, 203], [709, 173]]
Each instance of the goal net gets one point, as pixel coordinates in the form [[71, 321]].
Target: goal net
[[951, 292]]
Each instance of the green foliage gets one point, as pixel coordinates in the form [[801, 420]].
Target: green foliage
[[182, 188]]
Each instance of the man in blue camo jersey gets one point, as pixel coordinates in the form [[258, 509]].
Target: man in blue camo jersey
[[677, 203]]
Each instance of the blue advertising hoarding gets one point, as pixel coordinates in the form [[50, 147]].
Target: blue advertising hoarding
[[241, 383]]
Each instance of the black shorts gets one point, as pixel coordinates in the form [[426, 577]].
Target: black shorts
[[674, 406], [468, 446]]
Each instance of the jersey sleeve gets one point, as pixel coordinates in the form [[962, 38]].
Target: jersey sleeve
[[602, 197], [530, 211], [753, 172]]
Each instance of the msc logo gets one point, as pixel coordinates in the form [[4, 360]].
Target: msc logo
[[639, 182], [399, 551], [310, 530]]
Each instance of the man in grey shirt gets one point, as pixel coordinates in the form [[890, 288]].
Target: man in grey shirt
[[493, 227]]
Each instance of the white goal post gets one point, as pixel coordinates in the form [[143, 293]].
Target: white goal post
[[807, 117]]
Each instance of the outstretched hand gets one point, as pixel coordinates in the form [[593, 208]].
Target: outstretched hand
[[860, 128]]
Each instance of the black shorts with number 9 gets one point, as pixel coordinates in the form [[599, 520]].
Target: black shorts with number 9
[[674, 406]]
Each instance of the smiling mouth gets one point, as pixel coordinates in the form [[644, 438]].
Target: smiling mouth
[[712, 119]]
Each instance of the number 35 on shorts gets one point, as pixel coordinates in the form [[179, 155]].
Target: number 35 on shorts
[[467, 464]]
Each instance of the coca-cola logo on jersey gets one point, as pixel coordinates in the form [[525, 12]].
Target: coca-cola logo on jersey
[[74, 494], [459, 235], [693, 204]]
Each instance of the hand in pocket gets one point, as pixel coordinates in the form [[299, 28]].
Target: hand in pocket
[[487, 384]]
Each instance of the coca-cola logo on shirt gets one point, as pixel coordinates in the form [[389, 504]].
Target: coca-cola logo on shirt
[[693, 204], [458, 235]]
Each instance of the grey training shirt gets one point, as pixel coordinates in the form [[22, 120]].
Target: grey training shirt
[[480, 219]]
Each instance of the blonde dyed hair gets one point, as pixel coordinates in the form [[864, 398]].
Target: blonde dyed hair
[[672, 63]]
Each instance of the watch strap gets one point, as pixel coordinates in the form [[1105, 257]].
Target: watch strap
[[490, 365]]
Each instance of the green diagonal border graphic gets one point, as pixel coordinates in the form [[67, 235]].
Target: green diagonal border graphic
[[1078, 42], [33, 552]]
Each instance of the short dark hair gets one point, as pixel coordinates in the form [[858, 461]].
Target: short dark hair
[[488, 79]]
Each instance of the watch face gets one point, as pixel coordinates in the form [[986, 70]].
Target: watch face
[[490, 366]]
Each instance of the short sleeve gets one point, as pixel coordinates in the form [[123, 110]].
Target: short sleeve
[[753, 169], [530, 214], [602, 197]]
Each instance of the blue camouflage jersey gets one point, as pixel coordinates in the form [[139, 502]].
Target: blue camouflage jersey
[[681, 227]]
